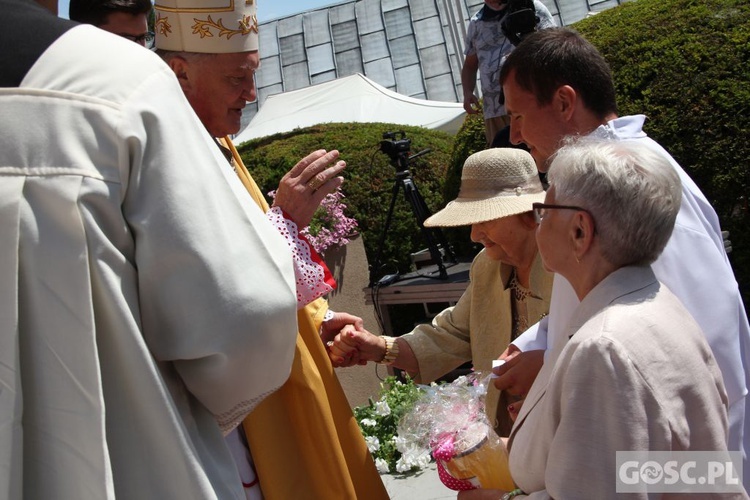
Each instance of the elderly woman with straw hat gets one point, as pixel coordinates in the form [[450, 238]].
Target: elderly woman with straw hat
[[508, 288], [633, 372]]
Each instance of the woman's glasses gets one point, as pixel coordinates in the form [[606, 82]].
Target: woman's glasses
[[540, 210]]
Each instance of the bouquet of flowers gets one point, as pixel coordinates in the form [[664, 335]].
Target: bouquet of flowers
[[450, 422], [379, 422]]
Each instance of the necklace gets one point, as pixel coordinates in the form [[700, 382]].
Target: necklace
[[519, 309], [520, 292]]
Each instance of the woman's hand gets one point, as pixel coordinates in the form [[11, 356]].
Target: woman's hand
[[355, 346], [519, 371], [329, 329]]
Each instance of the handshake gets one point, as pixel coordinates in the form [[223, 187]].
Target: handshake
[[348, 343], [353, 345]]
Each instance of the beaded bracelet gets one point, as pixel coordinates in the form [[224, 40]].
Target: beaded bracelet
[[511, 494]]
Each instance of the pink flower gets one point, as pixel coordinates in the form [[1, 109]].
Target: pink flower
[[330, 227]]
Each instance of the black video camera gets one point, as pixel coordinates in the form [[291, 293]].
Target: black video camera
[[395, 144], [520, 20]]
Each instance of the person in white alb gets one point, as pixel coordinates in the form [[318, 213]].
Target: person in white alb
[[133, 333]]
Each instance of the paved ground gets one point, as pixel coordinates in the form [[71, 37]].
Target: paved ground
[[424, 485]]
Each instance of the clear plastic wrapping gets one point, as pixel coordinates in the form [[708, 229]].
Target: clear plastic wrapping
[[449, 420]]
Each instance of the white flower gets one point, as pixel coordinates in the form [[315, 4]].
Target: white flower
[[402, 466], [373, 443], [382, 465], [382, 409], [424, 460], [368, 422], [401, 443], [413, 458]]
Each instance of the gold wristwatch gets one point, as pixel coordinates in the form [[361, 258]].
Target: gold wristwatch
[[391, 351]]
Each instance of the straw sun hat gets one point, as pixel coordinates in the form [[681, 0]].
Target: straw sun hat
[[495, 183]]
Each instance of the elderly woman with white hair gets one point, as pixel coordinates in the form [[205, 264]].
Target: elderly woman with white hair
[[634, 372]]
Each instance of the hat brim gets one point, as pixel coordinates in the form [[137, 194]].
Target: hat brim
[[465, 212]]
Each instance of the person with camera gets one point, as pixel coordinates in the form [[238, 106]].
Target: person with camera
[[492, 34]]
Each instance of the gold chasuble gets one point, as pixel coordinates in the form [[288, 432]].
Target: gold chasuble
[[304, 439]]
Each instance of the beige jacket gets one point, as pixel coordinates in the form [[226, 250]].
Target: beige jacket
[[636, 374], [479, 326]]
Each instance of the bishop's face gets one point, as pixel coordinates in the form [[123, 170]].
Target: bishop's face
[[218, 87]]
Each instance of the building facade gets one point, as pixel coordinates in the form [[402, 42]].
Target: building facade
[[413, 47]]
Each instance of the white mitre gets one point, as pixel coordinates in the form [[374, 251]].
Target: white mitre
[[206, 26]]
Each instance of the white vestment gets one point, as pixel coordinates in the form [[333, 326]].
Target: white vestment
[[147, 304], [695, 267]]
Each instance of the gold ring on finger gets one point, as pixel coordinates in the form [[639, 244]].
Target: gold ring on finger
[[315, 183]]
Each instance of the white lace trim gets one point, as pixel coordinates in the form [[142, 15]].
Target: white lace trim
[[309, 275]]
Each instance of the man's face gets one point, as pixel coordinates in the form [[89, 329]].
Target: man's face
[[131, 26], [539, 127], [496, 4], [218, 87]]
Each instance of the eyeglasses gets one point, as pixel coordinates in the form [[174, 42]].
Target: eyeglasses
[[146, 39], [540, 210]]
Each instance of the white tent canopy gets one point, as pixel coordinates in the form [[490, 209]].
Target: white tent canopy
[[353, 98]]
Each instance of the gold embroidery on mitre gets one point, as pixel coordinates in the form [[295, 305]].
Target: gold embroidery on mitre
[[162, 26], [249, 24], [203, 27]]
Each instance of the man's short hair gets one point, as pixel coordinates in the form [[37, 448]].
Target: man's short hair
[[96, 11], [550, 58]]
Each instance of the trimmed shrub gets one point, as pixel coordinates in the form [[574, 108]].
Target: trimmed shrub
[[685, 64]]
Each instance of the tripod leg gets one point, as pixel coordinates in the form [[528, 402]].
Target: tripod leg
[[419, 207], [423, 212], [375, 268]]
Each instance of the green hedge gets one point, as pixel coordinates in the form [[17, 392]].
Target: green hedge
[[370, 178], [686, 66]]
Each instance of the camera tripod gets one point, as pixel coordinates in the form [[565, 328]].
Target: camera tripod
[[433, 236]]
